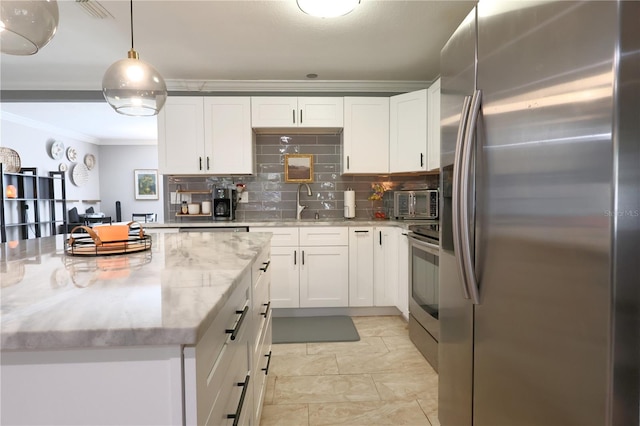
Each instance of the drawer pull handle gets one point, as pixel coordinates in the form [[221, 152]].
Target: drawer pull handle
[[357, 232], [266, 266], [266, 312], [266, 369], [236, 415], [234, 331]]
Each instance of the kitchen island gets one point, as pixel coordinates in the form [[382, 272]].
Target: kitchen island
[[136, 338]]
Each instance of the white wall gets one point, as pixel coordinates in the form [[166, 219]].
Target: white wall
[[117, 183], [31, 142], [110, 180]]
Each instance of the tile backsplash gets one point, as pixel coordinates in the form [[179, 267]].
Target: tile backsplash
[[270, 197]]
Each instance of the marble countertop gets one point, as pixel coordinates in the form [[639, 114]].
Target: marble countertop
[[284, 222], [168, 295]]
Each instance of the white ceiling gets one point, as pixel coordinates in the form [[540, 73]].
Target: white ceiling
[[265, 45]]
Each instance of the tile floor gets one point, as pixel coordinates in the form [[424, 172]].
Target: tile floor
[[380, 380]]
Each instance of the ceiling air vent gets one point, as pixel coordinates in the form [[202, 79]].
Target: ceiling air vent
[[94, 9]]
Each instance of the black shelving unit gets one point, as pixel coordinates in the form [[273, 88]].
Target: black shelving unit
[[32, 213]]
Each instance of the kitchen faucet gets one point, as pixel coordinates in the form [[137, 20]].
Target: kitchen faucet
[[299, 208]]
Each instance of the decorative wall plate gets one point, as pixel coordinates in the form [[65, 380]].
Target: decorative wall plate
[[62, 167], [89, 161], [56, 150], [79, 174], [72, 155]]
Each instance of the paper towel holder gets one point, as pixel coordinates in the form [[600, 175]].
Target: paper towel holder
[[349, 204]]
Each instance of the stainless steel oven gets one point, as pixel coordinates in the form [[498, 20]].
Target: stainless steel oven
[[424, 327]]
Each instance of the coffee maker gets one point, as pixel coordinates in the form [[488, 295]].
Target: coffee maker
[[224, 204]]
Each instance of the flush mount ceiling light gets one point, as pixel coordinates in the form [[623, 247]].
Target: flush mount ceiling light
[[27, 26], [327, 8], [132, 86]]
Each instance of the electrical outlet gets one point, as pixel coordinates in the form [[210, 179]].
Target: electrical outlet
[[244, 197]]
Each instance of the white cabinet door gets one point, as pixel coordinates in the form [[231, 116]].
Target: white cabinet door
[[403, 273], [285, 267], [408, 132], [366, 135], [361, 278], [324, 277], [320, 112], [433, 156], [181, 136], [228, 135], [284, 111], [385, 261], [274, 111]]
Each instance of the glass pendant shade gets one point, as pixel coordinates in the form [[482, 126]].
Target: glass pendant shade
[[27, 26], [133, 87], [327, 8]]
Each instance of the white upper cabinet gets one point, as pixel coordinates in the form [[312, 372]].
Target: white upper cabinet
[[205, 135], [366, 135], [282, 111], [433, 155], [181, 148], [227, 128], [408, 132]]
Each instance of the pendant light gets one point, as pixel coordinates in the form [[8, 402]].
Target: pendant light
[[132, 86], [327, 8], [27, 26]]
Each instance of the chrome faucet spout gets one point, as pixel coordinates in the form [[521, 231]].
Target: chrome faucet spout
[[300, 208]]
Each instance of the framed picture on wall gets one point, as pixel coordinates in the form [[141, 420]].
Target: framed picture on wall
[[298, 168], [146, 184]]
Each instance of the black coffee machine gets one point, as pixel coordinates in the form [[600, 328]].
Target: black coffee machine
[[224, 204]]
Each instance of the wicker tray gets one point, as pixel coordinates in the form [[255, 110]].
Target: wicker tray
[[91, 244], [10, 159]]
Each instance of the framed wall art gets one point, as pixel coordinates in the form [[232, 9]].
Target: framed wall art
[[298, 168], [146, 184]]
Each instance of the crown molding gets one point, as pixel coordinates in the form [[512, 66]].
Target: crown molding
[[38, 125], [334, 86]]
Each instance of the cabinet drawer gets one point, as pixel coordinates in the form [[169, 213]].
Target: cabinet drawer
[[324, 236], [282, 236], [261, 263], [261, 369], [209, 349], [229, 398]]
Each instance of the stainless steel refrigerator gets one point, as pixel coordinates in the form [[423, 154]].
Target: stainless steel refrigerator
[[540, 206]]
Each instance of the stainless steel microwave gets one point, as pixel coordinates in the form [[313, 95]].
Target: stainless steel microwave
[[421, 204]]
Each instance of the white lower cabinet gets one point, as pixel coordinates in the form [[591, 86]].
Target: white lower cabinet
[[385, 261], [373, 266], [324, 276], [309, 266], [224, 376], [403, 273], [361, 266], [285, 266]]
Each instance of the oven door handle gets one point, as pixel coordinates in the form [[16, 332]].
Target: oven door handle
[[423, 245]]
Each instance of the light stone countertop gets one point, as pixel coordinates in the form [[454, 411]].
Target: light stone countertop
[[285, 222], [168, 295]]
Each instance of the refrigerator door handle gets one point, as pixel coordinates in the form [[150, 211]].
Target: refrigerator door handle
[[465, 173], [457, 163]]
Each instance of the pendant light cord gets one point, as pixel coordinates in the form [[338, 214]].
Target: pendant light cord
[[131, 14]]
